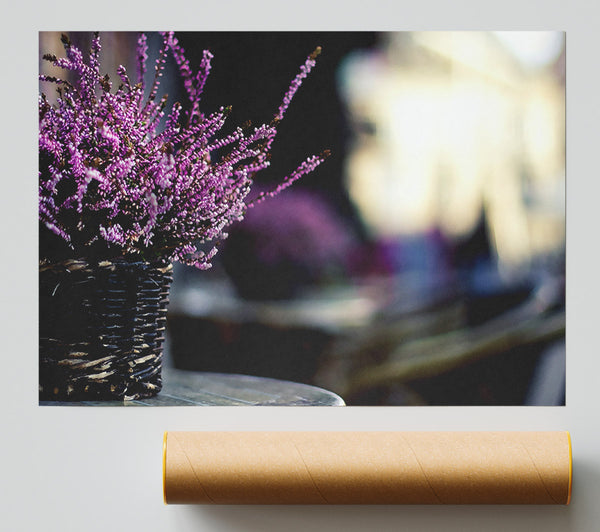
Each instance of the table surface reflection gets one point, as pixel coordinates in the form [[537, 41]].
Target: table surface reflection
[[191, 388]]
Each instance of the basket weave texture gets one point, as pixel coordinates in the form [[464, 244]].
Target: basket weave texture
[[101, 328]]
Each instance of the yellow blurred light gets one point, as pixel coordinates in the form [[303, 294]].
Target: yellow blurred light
[[457, 129]]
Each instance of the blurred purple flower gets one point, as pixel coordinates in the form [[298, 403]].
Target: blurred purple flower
[[298, 240]]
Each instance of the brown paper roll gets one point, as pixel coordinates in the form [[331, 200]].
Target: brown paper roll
[[367, 467]]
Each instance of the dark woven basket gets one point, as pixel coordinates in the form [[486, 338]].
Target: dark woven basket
[[102, 329]]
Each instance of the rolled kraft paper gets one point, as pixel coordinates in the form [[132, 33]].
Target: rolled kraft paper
[[367, 467]]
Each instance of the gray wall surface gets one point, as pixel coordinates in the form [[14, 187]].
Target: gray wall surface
[[83, 469]]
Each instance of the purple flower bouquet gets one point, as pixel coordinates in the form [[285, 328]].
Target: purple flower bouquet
[[127, 184]]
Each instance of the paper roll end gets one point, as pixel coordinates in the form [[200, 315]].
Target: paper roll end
[[164, 467], [570, 468]]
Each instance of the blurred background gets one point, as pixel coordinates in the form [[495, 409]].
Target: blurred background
[[424, 262]]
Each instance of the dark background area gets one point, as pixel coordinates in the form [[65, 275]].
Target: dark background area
[[251, 71]]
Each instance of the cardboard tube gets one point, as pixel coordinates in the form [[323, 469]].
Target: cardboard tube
[[367, 467]]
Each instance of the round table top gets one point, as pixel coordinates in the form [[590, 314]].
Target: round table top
[[191, 388]]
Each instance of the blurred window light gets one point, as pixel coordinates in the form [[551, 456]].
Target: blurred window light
[[534, 49], [459, 122]]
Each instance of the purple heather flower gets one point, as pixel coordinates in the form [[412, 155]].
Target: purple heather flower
[[304, 71], [109, 175], [142, 57]]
